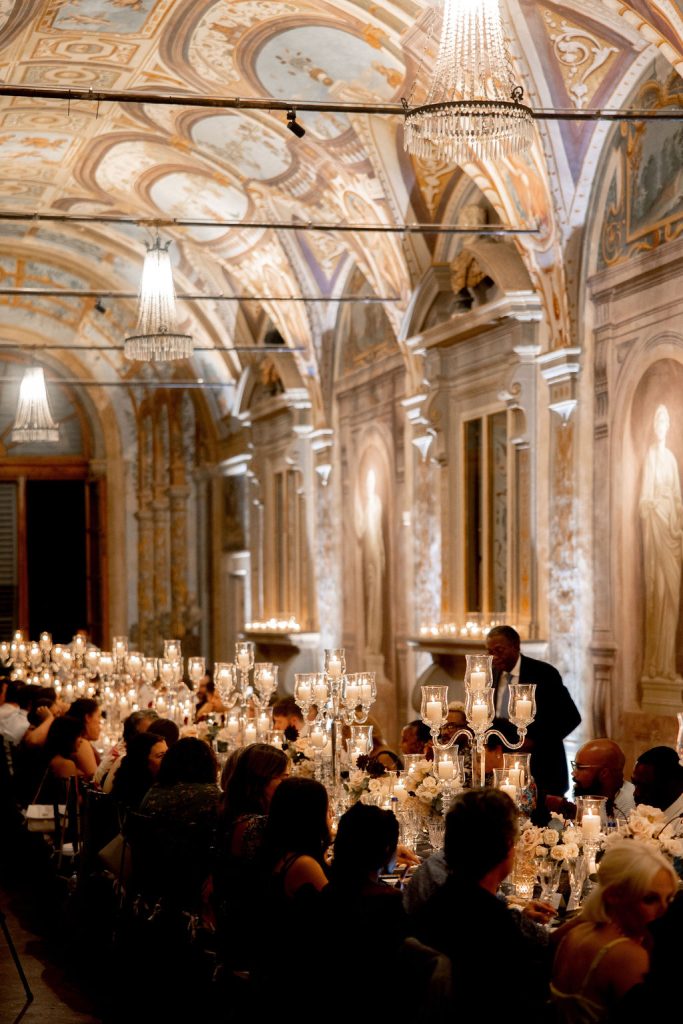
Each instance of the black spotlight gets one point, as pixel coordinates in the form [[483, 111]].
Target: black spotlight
[[100, 306], [294, 126]]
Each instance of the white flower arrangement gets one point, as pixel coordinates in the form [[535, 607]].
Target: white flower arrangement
[[646, 824]]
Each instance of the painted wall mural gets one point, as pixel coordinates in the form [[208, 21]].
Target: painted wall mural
[[645, 197]]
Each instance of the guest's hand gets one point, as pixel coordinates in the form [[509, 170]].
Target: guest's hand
[[406, 856], [539, 911], [559, 805]]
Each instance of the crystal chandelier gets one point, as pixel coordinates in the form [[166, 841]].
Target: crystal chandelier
[[33, 421], [156, 336], [474, 106]]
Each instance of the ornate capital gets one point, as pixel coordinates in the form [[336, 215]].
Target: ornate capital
[[560, 369]]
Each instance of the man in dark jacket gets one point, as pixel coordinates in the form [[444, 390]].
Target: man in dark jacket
[[556, 713]]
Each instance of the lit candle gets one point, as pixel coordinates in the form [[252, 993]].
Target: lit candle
[[233, 726], [477, 680], [334, 666], [320, 691], [243, 660], [266, 679], [352, 694], [590, 823], [515, 776], [250, 733], [318, 738], [523, 710], [509, 789], [365, 693], [480, 713], [445, 769], [434, 711], [303, 691]]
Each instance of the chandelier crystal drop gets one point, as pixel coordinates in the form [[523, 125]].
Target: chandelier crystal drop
[[33, 421], [156, 336], [474, 108]]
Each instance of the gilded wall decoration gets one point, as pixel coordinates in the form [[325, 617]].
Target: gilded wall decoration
[[582, 56], [645, 196]]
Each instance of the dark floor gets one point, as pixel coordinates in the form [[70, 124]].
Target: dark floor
[[58, 996]]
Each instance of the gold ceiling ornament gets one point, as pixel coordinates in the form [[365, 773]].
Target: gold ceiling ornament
[[33, 421], [156, 337], [474, 107]]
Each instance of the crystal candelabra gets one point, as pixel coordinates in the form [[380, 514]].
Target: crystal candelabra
[[249, 717], [339, 698], [479, 710]]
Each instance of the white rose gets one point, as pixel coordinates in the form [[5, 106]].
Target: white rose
[[528, 839], [558, 852], [429, 782], [674, 847], [571, 851], [541, 851], [550, 837], [356, 779]]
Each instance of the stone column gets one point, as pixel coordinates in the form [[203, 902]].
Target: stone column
[[560, 369]]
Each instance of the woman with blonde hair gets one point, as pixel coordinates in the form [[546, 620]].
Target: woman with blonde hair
[[604, 954]]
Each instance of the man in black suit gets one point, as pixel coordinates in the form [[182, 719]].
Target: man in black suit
[[556, 713]]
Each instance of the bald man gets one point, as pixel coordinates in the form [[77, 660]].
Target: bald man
[[598, 771]]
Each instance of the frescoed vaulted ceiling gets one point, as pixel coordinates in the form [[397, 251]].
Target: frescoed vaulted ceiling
[[149, 161]]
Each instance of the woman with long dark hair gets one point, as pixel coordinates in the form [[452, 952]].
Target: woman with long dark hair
[[297, 837], [250, 778]]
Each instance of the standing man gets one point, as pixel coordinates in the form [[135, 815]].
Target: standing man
[[556, 713]]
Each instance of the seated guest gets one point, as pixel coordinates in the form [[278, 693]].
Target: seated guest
[[166, 730], [14, 712], [135, 723], [598, 771], [64, 748], [186, 786], [250, 778], [601, 956], [457, 719], [658, 781], [464, 917], [288, 718], [139, 770], [414, 737], [88, 713], [359, 908], [208, 701], [297, 837]]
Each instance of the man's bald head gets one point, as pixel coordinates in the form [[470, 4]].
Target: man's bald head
[[599, 769]]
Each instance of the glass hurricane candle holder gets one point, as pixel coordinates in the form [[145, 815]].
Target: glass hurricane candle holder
[[434, 707], [44, 642], [410, 763], [224, 680], [522, 704], [361, 738], [503, 782], [196, 669], [276, 738], [119, 649], [478, 672], [265, 680], [106, 665], [149, 670], [479, 709], [35, 655], [335, 662], [518, 769], [172, 650], [264, 723], [591, 816], [304, 689], [134, 662], [244, 656]]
